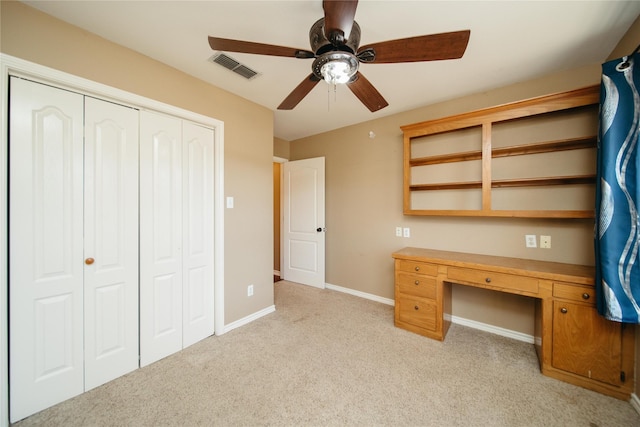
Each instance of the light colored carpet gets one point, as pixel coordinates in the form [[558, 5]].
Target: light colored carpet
[[329, 359]]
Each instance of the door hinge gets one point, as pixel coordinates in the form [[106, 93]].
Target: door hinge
[[623, 377]]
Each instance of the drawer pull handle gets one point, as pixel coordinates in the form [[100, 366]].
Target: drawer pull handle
[[417, 268], [89, 261], [416, 308], [488, 280], [563, 310], [585, 296], [417, 282]]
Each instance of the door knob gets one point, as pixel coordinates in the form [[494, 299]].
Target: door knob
[[89, 261]]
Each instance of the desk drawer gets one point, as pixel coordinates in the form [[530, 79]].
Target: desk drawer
[[576, 293], [417, 311], [417, 267], [506, 282], [417, 285]]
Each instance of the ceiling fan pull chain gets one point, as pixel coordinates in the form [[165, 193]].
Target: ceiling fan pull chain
[[328, 98]]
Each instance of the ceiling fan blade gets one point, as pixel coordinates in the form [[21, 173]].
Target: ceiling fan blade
[[299, 93], [366, 93], [230, 45], [433, 47], [338, 19]]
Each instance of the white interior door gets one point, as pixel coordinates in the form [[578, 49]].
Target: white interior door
[[45, 247], [160, 236], [197, 261], [111, 241], [304, 227]]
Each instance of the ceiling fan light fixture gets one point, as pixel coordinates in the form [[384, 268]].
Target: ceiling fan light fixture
[[337, 72], [336, 67]]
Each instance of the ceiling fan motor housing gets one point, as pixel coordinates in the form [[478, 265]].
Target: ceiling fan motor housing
[[349, 61], [320, 43]]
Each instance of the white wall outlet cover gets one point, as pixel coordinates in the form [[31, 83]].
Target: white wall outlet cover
[[545, 242], [230, 202], [406, 232]]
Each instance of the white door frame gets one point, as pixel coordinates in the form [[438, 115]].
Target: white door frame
[[10, 65], [282, 161]]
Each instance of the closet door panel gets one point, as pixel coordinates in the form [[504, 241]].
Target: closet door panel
[[111, 241], [45, 246], [160, 236], [198, 233]]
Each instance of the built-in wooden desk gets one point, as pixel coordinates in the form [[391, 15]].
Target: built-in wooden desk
[[573, 342]]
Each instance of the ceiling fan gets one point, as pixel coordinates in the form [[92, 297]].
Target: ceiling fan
[[335, 41]]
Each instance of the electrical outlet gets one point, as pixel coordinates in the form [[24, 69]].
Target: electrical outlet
[[406, 232], [398, 231], [530, 240], [545, 242], [250, 290]]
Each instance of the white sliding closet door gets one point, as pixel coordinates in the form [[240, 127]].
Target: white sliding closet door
[[111, 241], [45, 247], [160, 236], [176, 235], [197, 233]]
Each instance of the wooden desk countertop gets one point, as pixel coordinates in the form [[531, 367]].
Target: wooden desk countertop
[[582, 274]]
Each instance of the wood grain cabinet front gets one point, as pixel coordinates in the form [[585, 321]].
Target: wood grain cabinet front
[[417, 307], [416, 311], [573, 342], [586, 345]]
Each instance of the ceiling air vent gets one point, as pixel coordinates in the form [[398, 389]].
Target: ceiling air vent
[[231, 64]]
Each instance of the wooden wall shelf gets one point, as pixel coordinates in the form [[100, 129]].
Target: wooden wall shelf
[[541, 110]]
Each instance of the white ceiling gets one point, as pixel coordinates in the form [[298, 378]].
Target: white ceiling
[[511, 41]]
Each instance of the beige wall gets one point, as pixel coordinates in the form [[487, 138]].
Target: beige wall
[[37, 37], [281, 148], [364, 205], [628, 42]]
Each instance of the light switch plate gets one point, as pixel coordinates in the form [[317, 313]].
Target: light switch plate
[[530, 240]]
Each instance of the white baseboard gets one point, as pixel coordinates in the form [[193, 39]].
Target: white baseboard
[[248, 319], [492, 329], [454, 319], [635, 402], [360, 294]]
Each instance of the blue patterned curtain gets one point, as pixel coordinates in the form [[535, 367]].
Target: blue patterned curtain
[[617, 228]]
